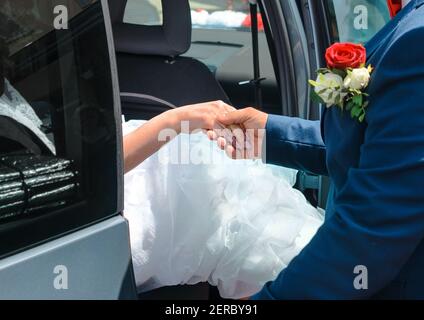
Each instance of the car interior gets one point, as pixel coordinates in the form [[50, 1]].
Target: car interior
[[165, 66], [173, 64]]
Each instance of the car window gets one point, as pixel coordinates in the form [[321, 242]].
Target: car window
[[356, 20], [58, 130], [222, 40], [221, 14], [205, 14], [32, 20], [144, 12]]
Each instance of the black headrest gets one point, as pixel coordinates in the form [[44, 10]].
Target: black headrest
[[171, 39]]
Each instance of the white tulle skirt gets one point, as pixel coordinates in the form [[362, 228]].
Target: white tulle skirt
[[204, 217]]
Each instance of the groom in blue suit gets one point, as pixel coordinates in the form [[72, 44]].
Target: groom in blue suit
[[374, 226]]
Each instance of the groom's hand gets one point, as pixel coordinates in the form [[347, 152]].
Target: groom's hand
[[244, 134]]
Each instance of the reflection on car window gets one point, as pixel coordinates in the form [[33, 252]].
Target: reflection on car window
[[58, 141], [25, 21], [205, 14], [144, 12], [357, 20], [221, 14]]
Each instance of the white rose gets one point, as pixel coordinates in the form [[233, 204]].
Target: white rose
[[357, 79], [330, 86]]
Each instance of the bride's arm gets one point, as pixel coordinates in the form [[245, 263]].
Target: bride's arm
[[142, 143]]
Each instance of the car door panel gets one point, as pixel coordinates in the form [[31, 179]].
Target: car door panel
[[77, 266]]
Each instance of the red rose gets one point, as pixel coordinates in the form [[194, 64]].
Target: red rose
[[345, 55]]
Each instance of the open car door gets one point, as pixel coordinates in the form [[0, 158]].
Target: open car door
[[61, 173]]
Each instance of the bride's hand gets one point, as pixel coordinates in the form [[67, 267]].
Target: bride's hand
[[149, 138], [200, 116]]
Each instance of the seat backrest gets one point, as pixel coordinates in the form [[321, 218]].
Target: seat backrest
[[153, 75]]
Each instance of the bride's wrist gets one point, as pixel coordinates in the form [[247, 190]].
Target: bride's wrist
[[173, 119]]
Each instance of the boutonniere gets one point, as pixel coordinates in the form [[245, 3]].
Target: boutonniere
[[343, 82]]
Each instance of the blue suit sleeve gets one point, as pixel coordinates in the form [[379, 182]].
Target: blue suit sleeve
[[295, 143], [379, 213]]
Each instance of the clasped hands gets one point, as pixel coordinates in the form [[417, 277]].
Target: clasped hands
[[240, 133]]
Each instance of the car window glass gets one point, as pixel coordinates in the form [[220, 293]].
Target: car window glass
[[357, 20], [221, 14], [144, 12], [58, 129], [206, 14], [25, 21]]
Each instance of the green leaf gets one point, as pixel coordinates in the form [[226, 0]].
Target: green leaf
[[313, 83], [316, 98], [339, 72], [366, 103], [357, 99], [349, 105], [362, 117], [359, 112], [323, 70], [356, 111]]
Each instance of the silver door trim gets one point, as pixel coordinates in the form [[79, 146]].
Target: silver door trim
[[117, 105]]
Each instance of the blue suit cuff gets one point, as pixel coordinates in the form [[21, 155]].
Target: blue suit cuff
[[273, 140], [295, 143]]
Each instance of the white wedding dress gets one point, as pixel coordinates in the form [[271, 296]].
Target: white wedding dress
[[235, 224]]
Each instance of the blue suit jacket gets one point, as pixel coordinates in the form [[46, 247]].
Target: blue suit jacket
[[375, 216]]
